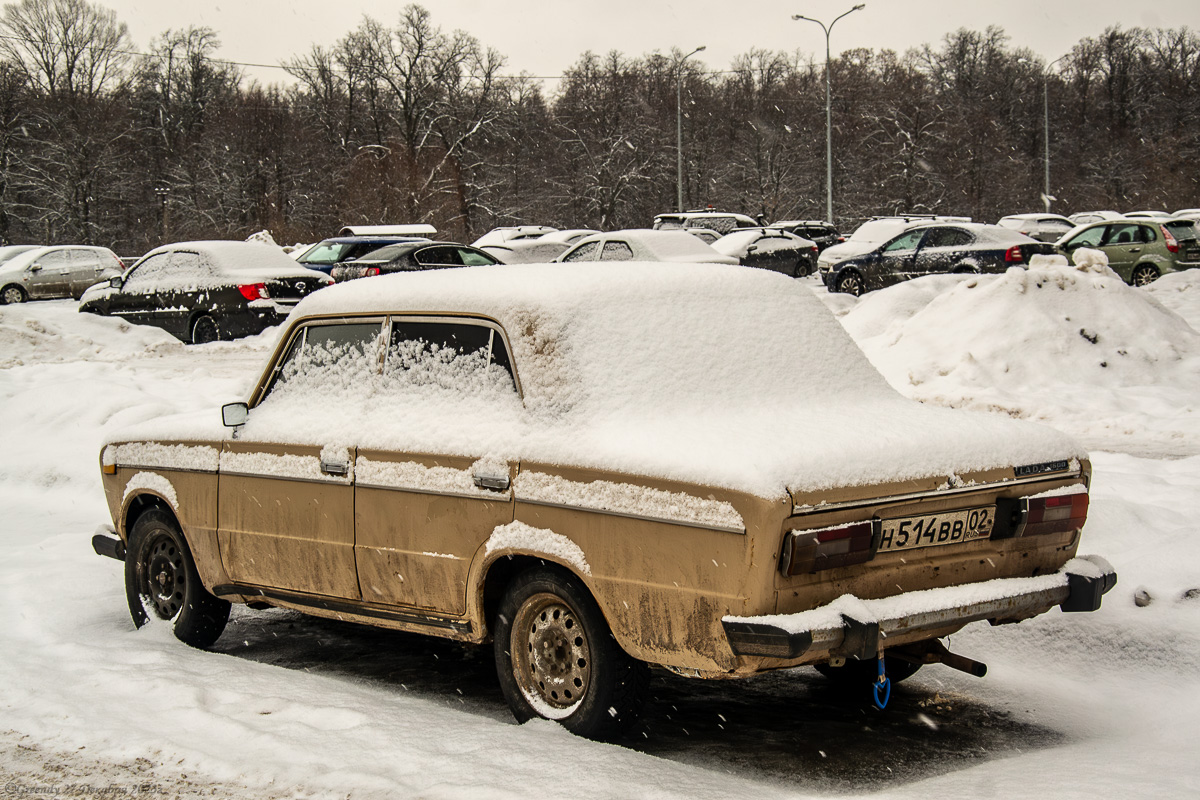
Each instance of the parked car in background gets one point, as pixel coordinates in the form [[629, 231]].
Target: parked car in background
[[323, 255], [420, 230], [1188, 213], [720, 221], [204, 291], [568, 236], [932, 248], [1043, 227], [1139, 250], [412, 257], [873, 232], [41, 273], [822, 234], [1087, 217], [526, 251], [706, 235], [512, 233], [592, 472], [770, 248], [640, 244]]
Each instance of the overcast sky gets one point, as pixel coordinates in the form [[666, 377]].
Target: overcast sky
[[544, 37]]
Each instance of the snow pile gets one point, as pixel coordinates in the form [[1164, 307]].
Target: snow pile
[[45, 333], [1076, 345], [1179, 292]]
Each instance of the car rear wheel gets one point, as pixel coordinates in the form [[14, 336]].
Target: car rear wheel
[[161, 582], [11, 295], [1143, 275], [850, 283], [557, 659], [204, 330]]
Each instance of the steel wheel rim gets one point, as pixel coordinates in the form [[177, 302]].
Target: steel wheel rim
[[164, 579], [551, 655]]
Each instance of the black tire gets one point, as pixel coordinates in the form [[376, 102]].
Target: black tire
[[850, 282], [1143, 275], [855, 675], [161, 581], [204, 330], [12, 294], [965, 269], [556, 658]]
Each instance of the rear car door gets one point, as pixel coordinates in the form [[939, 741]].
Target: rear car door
[[285, 512], [943, 250], [49, 274]]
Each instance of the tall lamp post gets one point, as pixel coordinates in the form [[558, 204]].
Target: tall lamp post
[[1047, 198], [679, 124], [828, 111]]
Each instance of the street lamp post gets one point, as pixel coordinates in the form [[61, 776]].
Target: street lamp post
[[679, 124], [1046, 196], [828, 111], [162, 190]]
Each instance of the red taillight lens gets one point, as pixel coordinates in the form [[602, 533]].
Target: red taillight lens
[[810, 551], [254, 291], [1014, 255], [371, 271], [1171, 241], [1058, 514]]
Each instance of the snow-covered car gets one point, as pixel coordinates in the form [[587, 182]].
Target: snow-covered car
[[822, 234], [37, 273], [930, 249], [872, 233], [512, 233], [639, 244], [526, 251], [770, 248], [1043, 227], [204, 291], [720, 221], [690, 466]]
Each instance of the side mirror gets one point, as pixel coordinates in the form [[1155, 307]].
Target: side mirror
[[234, 414], [752, 249], [35, 267], [114, 282]]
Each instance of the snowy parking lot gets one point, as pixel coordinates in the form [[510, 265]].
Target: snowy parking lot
[[1091, 705]]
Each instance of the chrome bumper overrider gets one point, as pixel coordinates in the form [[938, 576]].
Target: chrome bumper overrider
[[853, 628]]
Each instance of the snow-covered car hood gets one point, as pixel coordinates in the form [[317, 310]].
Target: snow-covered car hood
[[840, 252], [711, 374]]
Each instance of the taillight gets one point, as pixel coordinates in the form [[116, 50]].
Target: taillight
[[1057, 514], [1172, 242], [371, 271], [254, 291], [1014, 255], [841, 546]]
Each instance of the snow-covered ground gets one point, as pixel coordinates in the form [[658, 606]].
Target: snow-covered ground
[[1091, 705]]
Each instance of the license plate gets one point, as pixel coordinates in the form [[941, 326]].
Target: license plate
[[907, 533]]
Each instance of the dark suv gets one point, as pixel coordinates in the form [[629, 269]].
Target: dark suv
[[822, 234]]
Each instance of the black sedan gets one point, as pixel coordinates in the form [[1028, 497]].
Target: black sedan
[[822, 234], [931, 249], [412, 257], [203, 291], [770, 248]]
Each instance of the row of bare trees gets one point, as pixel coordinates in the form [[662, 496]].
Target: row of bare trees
[[406, 122]]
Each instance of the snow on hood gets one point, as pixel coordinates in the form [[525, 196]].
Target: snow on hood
[[713, 374]]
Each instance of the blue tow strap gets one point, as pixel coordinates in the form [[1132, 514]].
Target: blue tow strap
[[882, 688]]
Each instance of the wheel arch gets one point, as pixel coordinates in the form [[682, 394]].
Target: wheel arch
[[502, 568], [138, 503]]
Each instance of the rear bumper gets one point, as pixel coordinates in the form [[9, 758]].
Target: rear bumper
[[853, 628]]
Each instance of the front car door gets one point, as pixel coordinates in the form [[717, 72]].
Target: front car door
[[897, 258], [49, 274], [285, 512]]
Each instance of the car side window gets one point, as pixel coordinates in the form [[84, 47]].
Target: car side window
[[1125, 233], [584, 252], [1092, 237], [459, 356], [439, 257], [947, 237], [616, 251], [907, 241], [473, 258], [144, 277], [53, 259], [342, 356], [1147, 234]]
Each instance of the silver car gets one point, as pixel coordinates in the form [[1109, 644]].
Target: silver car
[[34, 273]]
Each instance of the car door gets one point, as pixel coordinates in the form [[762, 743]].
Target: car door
[[586, 251], [138, 300], [1123, 244], [420, 518], [285, 511], [897, 258], [49, 274], [943, 250], [86, 266]]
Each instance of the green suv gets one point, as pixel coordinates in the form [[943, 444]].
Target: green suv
[[1139, 250]]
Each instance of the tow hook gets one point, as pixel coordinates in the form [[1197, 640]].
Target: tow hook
[[882, 688], [934, 652]]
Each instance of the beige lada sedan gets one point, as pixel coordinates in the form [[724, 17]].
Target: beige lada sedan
[[689, 467]]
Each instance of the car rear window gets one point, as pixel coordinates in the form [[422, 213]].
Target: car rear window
[[1183, 229]]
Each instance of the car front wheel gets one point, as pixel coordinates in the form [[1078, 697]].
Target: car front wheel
[[850, 283], [161, 582], [1143, 275], [557, 659], [12, 295]]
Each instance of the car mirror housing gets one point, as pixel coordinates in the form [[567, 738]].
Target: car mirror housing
[[234, 414], [114, 282], [35, 267]]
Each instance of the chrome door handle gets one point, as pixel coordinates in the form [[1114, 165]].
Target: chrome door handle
[[1135, 249]]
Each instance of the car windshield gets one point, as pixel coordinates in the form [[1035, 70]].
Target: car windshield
[[878, 230], [326, 253]]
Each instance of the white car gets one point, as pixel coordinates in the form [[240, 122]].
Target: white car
[[1043, 227], [511, 233], [645, 245], [57, 271], [1088, 217]]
